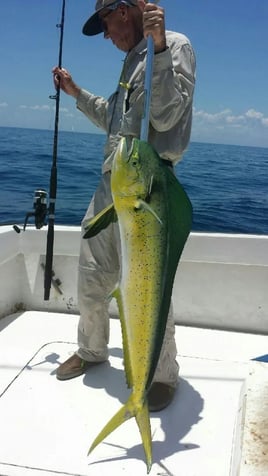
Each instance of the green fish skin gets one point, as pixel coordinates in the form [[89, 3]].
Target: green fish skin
[[155, 216]]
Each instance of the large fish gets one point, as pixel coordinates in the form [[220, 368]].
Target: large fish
[[154, 215]]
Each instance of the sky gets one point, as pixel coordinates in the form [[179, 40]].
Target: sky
[[229, 37]]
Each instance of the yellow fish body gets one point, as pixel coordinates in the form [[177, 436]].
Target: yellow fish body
[[154, 215]]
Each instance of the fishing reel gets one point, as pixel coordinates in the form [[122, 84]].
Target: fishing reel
[[39, 212]]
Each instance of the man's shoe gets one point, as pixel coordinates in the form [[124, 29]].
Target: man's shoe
[[73, 367], [160, 396]]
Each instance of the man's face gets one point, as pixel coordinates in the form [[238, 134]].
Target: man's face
[[116, 27]]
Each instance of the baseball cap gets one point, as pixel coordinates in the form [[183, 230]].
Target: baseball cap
[[93, 25]]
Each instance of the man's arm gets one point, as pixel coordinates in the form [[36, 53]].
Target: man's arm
[[173, 84], [174, 70], [94, 107]]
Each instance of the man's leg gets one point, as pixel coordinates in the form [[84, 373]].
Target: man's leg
[[166, 376], [97, 275]]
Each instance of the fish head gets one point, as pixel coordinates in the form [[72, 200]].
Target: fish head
[[134, 167]]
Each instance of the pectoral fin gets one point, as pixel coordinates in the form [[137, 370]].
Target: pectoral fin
[[100, 221], [141, 204]]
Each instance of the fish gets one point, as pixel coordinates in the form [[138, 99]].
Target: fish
[[154, 214]]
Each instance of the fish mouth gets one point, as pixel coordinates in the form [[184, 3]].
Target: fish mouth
[[127, 147]]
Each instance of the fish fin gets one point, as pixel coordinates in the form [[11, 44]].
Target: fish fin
[[129, 410], [180, 215], [125, 413], [100, 221], [127, 364], [114, 293], [143, 422], [179, 225], [141, 204]]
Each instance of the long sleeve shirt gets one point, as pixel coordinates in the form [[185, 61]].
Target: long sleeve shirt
[[171, 100]]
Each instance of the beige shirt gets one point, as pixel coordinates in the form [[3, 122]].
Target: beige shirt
[[171, 100]]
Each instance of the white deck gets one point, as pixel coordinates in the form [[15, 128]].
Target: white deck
[[47, 426]]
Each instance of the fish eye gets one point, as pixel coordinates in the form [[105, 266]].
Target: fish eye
[[135, 160]]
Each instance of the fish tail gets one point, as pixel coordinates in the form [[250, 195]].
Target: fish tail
[[143, 422], [141, 413]]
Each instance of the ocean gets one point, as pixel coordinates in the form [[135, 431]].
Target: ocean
[[227, 184]]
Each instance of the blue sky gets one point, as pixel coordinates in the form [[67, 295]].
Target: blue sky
[[230, 39]]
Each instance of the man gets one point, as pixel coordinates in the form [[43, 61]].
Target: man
[[127, 23]]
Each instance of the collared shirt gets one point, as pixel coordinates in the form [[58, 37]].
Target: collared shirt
[[171, 100]]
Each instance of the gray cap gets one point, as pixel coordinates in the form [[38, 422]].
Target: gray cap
[[93, 25]]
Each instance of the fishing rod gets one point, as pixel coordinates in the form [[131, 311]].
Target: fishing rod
[[53, 175], [148, 86]]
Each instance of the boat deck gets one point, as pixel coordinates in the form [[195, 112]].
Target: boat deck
[[47, 426]]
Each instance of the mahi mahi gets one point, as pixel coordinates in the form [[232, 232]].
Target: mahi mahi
[[154, 215]]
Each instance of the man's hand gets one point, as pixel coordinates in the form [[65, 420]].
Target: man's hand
[[63, 79], [154, 24]]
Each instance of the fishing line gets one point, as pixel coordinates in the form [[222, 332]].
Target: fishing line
[[53, 174]]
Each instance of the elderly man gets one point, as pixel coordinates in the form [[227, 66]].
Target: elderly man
[[127, 23]]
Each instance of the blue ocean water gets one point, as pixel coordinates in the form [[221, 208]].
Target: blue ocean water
[[227, 184]]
